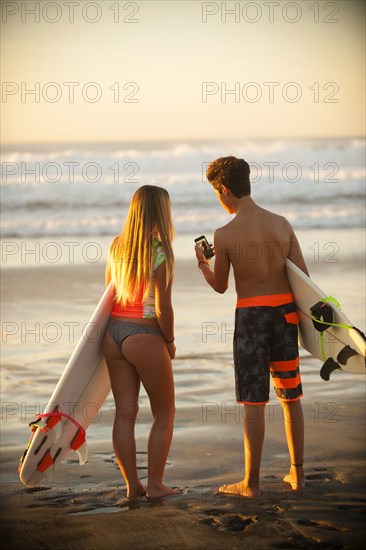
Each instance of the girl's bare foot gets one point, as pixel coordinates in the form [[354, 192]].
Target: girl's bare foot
[[135, 491], [241, 488], [160, 490], [295, 477]]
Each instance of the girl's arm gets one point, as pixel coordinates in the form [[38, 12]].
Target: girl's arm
[[108, 271], [163, 306]]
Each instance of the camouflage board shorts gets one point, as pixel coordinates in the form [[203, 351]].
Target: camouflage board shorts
[[266, 341]]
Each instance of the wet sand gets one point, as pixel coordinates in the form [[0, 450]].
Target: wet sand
[[84, 507]]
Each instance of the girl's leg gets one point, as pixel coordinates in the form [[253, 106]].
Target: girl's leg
[[125, 387], [294, 426], [149, 355]]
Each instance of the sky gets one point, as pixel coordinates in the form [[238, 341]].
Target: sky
[[110, 71]]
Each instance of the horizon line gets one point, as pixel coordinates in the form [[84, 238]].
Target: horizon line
[[182, 140]]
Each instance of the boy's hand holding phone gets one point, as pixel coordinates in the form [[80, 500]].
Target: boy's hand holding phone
[[204, 250]]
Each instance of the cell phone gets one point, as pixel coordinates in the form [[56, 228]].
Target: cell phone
[[204, 246]]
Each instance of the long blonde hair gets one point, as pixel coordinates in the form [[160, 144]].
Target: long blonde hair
[[131, 253]]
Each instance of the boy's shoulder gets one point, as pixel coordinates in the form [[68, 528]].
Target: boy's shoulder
[[220, 231], [263, 215], [269, 214], [260, 213]]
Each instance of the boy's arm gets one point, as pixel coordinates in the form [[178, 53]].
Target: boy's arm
[[219, 278]]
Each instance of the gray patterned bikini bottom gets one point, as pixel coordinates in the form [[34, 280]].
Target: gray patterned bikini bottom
[[120, 330]]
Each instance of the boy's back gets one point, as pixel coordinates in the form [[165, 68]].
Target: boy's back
[[257, 243]]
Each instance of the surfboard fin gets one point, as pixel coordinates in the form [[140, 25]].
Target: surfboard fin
[[57, 428], [346, 353], [322, 316], [329, 366], [82, 453], [78, 444]]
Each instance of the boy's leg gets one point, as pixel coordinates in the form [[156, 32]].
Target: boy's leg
[[294, 427], [286, 379], [254, 427], [253, 327]]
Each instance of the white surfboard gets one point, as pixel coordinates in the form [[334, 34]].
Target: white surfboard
[[74, 404], [325, 331]]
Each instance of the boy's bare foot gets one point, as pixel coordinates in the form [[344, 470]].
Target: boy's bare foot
[[295, 477], [241, 488], [158, 491]]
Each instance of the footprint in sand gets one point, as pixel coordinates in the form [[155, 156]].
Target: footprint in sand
[[274, 509], [322, 474], [311, 477], [322, 525], [228, 521]]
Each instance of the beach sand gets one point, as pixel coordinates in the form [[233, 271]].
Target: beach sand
[[83, 508]]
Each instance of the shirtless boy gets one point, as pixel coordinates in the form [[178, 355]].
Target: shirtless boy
[[256, 243]]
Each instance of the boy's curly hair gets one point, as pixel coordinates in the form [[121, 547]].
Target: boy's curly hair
[[231, 172]]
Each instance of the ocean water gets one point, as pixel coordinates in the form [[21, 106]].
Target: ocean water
[[84, 190], [62, 204]]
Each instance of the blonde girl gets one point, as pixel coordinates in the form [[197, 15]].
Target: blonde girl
[[139, 341]]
